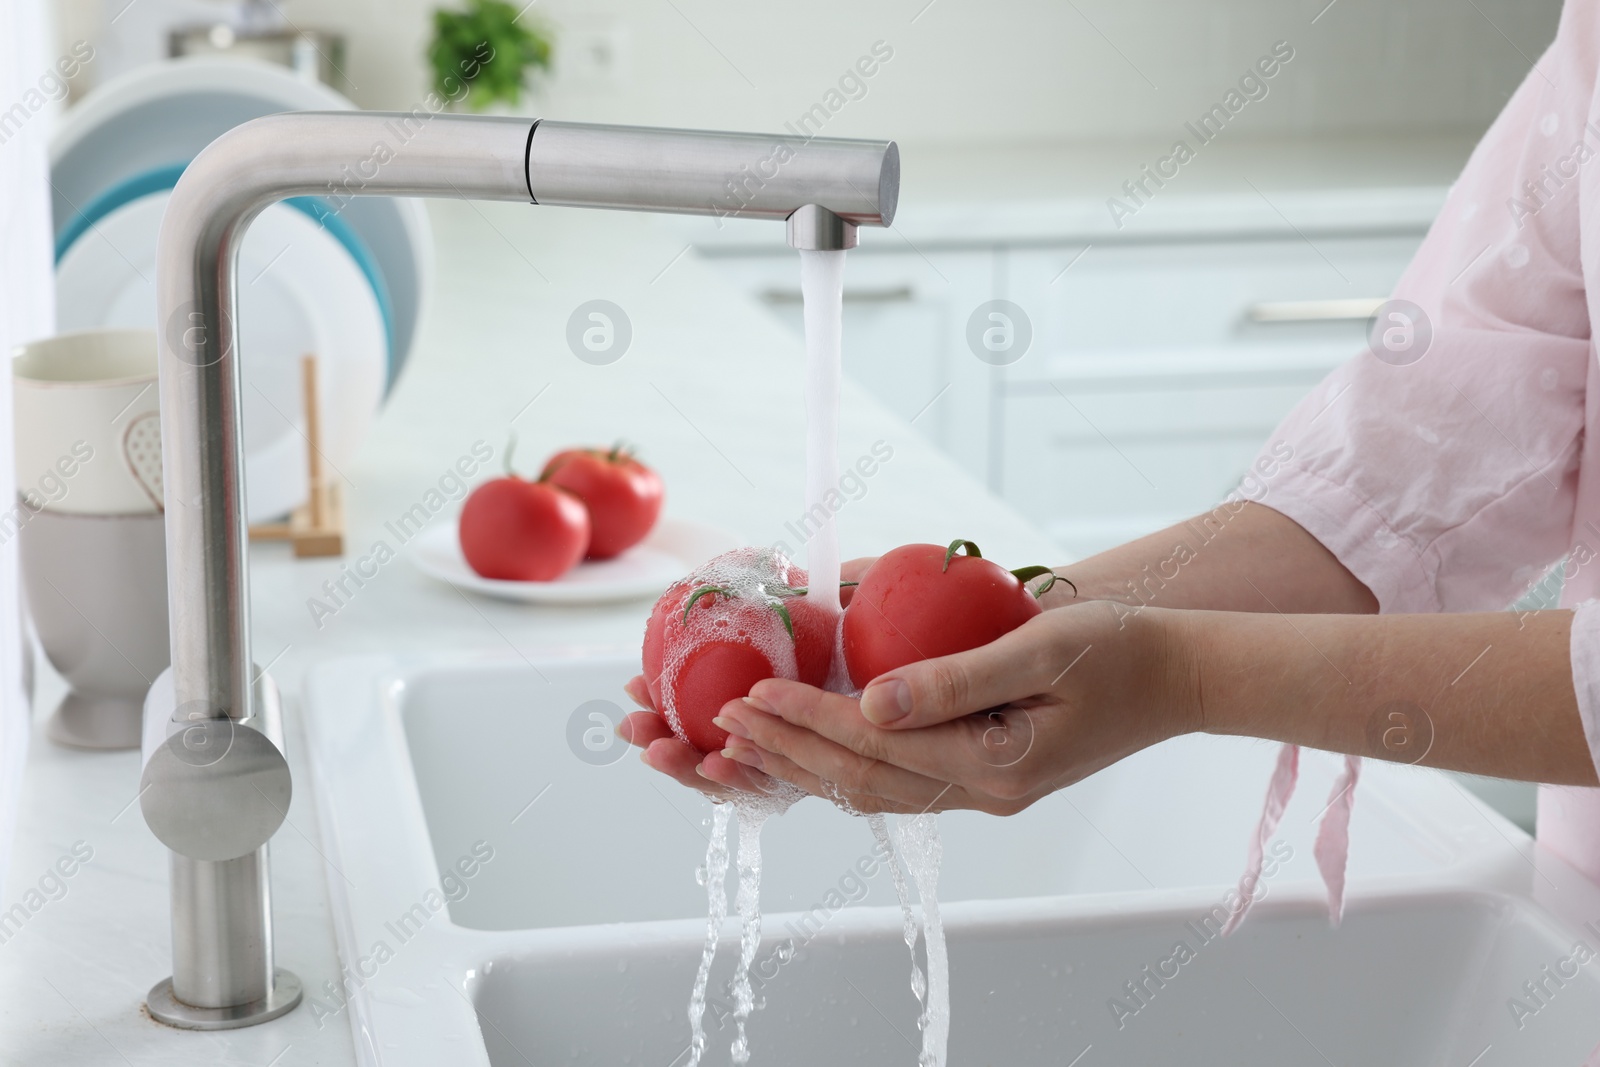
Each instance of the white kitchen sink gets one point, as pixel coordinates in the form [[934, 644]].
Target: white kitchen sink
[[1419, 981], [509, 890]]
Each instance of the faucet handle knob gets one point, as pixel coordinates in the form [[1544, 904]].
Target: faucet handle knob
[[214, 788]]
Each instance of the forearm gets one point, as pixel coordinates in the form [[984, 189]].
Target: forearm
[[1250, 559], [1487, 693]]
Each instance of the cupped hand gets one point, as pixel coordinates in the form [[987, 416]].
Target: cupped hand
[[715, 774], [1071, 691]]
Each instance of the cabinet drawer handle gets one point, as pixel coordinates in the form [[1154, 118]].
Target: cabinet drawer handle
[[1315, 310], [899, 294]]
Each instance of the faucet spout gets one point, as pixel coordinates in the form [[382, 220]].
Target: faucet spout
[[823, 188], [816, 229]]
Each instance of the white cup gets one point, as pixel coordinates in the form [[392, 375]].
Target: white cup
[[88, 428]]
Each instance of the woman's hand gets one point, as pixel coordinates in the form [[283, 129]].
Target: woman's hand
[[997, 728], [664, 752]]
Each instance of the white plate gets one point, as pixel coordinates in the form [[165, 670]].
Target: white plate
[[299, 291], [673, 549]]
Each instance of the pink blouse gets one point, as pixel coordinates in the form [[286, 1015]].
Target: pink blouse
[[1450, 474]]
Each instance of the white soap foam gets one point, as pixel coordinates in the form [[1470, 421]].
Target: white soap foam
[[751, 575]]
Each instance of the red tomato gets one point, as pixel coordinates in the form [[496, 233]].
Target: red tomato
[[721, 630], [815, 631], [523, 531], [712, 674], [924, 601], [654, 653], [623, 495]]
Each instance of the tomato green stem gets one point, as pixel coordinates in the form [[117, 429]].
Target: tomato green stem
[[972, 550], [783, 613], [1028, 574], [704, 590]]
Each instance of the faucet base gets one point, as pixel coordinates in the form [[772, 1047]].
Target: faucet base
[[164, 1007]]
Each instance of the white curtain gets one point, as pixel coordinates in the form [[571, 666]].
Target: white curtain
[[27, 311]]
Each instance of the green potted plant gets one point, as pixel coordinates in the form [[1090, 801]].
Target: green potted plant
[[484, 54]]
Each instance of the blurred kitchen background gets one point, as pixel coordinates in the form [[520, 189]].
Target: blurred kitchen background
[[1148, 339], [1153, 352]]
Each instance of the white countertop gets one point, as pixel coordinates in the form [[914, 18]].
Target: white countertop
[[710, 392]]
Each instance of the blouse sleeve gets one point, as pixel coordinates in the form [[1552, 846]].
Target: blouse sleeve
[[1444, 474]]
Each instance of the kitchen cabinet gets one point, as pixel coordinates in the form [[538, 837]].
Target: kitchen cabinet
[[1157, 365]]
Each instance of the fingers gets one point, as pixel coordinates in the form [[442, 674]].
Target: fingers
[[987, 755], [713, 775], [830, 761], [681, 763], [823, 733], [745, 754], [928, 796], [734, 776], [639, 691], [1011, 668], [643, 728], [780, 766]]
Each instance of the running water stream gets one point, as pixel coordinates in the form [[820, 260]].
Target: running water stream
[[822, 290], [908, 921], [923, 852], [822, 293], [714, 874]]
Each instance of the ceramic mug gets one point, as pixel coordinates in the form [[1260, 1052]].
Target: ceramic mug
[[88, 428], [96, 588]]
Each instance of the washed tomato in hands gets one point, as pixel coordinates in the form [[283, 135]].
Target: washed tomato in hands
[[920, 602], [737, 619], [516, 530], [623, 495]]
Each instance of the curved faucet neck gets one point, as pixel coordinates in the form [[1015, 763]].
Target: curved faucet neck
[[221, 912]]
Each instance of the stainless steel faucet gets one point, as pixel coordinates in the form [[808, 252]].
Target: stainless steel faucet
[[216, 786]]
